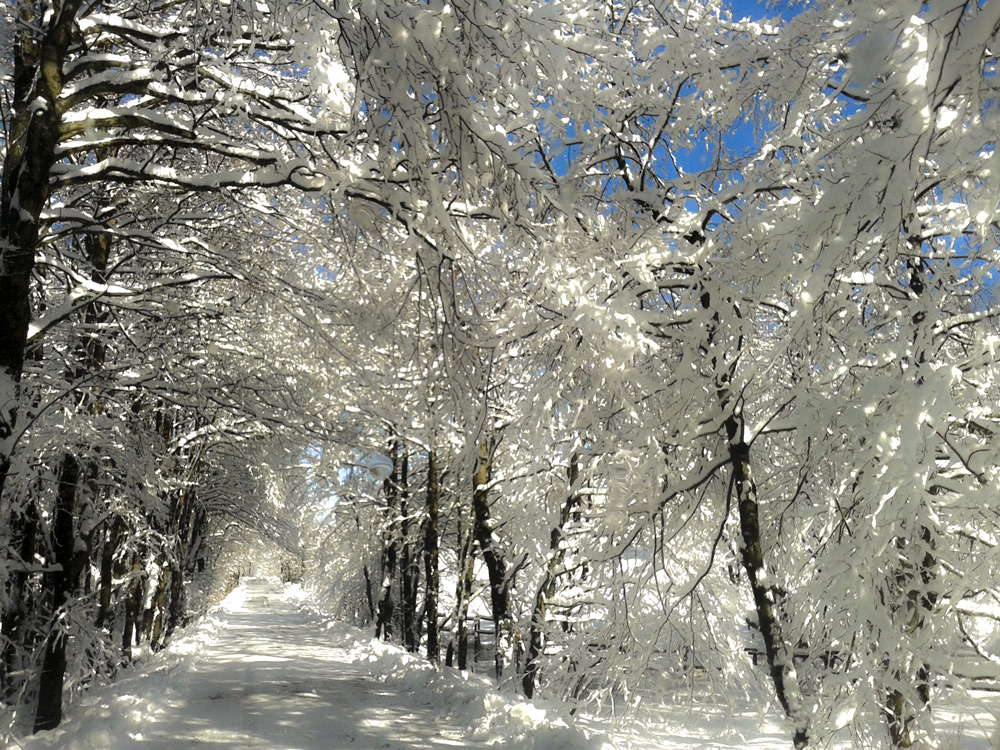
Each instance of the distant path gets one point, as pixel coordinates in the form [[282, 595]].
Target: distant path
[[271, 680]]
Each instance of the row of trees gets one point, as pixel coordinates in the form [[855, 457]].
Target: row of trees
[[662, 321], [668, 389], [139, 408]]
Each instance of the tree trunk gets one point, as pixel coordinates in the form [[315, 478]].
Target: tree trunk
[[369, 599], [153, 622], [70, 556], [913, 581], [24, 539], [548, 588], [112, 540], [459, 646], [408, 562], [916, 575], [183, 516], [77, 495], [383, 625], [31, 145], [174, 615], [432, 575], [496, 563], [765, 593], [133, 603]]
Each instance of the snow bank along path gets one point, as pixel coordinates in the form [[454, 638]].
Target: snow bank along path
[[266, 672]]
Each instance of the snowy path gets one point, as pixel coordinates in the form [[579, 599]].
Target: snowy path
[[273, 681], [270, 675], [264, 672]]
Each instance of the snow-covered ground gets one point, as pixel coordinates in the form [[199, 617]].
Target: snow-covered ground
[[267, 670]]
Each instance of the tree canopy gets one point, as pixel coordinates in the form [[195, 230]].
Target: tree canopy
[[657, 337]]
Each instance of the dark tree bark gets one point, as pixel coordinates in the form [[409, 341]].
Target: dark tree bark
[[77, 495], [766, 595], [183, 519], [112, 540], [408, 562], [40, 47], [369, 599], [31, 143], [70, 559], [153, 619], [548, 587], [496, 563], [24, 539], [432, 576], [458, 648], [383, 623], [133, 603]]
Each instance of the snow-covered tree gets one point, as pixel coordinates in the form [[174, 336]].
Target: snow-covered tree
[[677, 329]]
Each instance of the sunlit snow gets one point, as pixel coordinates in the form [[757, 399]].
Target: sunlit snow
[[268, 670]]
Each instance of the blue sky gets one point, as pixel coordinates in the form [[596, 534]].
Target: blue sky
[[758, 9]]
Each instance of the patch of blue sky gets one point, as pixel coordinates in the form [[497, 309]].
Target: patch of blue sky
[[759, 10]]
